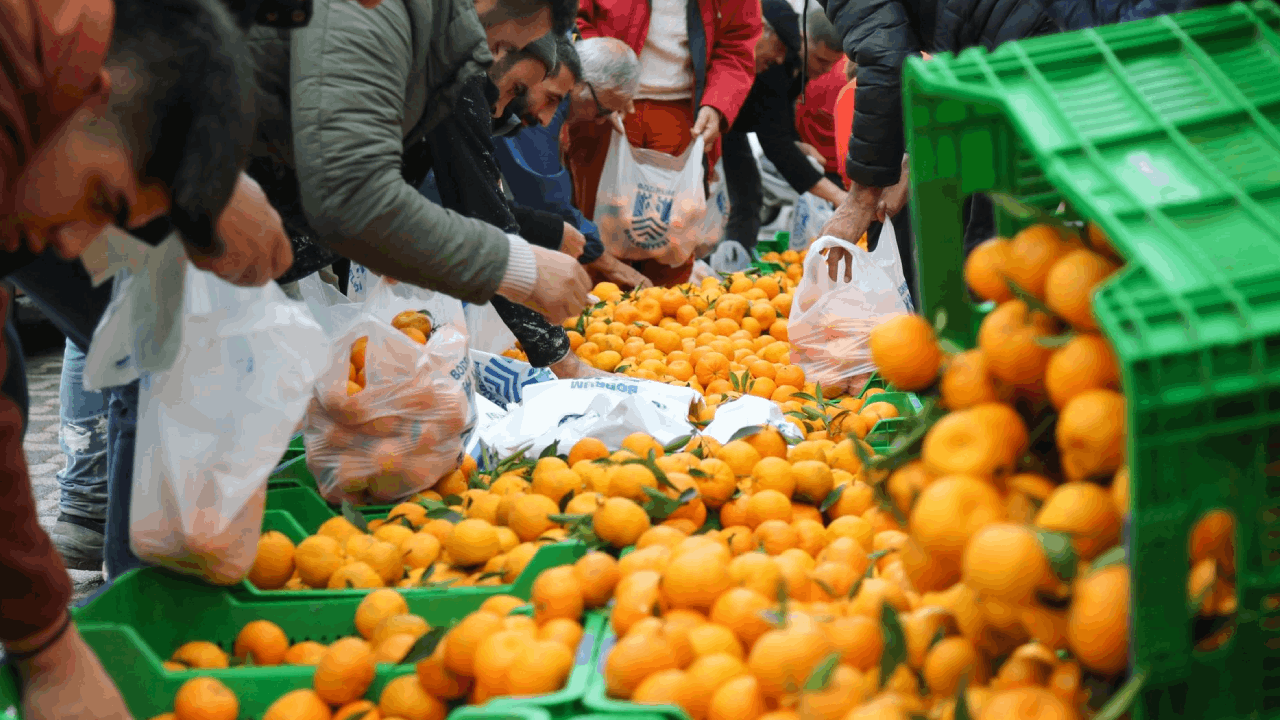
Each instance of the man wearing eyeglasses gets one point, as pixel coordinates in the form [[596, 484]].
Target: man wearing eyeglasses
[[697, 64], [595, 83]]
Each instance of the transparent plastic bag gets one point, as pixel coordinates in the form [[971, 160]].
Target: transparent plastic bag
[[650, 205], [486, 331], [716, 217], [213, 426], [810, 214], [409, 425], [831, 321]]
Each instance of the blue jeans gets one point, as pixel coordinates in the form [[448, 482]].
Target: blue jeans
[[83, 438], [122, 430]]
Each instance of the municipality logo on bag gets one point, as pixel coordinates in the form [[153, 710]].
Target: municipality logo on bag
[[650, 216]]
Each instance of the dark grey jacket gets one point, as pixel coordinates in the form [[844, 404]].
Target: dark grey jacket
[[344, 99], [880, 34]]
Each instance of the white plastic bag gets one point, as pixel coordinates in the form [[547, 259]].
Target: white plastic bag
[[886, 257], [649, 204], [407, 428], [501, 380], [810, 214], [701, 271], [716, 217], [141, 330], [565, 411], [831, 321], [213, 426], [748, 411], [486, 331]]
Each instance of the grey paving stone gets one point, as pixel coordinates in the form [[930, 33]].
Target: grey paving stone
[[44, 456]]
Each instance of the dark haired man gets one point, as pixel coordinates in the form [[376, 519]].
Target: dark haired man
[[588, 87], [782, 56], [343, 145]]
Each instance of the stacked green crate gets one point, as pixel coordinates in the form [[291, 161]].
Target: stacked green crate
[[146, 614], [1164, 132]]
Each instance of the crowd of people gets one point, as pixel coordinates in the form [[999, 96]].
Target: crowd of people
[[456, 145]]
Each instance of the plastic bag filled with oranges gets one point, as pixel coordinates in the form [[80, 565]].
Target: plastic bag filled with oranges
[[396, 406], [831, 318]]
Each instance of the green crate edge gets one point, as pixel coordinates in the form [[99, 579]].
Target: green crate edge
[[597, 699], [562, 704], [120, 644], [155, 692], [644, 712], [548, 556], [294, 473]]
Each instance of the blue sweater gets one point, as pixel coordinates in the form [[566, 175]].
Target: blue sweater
[[530, 162]]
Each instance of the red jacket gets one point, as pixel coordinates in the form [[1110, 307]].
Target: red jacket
[[816, 115], [844, 123], [732, 28]]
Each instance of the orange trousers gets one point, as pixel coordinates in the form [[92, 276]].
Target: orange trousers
[[662, 125]]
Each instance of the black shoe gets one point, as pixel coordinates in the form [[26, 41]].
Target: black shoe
[[79, 541]]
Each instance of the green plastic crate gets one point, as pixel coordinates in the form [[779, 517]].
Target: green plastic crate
[[166, 609], [487, 712], [548, 556], [643, 712], [565, 703], [884, 432], [297, 448], [292, 472], [875, 381], [308, 508], [1164, 132], [148, 613], [295, 474], [780, 243], [597, 698]]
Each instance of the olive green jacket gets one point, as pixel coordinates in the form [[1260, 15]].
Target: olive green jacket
[[340, 102]]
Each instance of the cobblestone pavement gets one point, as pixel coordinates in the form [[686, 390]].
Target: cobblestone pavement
[[44, 457]]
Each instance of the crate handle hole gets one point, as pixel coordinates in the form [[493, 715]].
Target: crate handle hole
[[1211, 579]]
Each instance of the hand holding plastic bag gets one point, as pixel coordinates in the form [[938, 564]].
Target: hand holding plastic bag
[[832, 314], [408, 426], [213, 426]]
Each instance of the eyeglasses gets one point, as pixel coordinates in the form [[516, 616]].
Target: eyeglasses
[[601, 110]]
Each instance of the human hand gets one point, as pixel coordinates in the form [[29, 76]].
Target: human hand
[[853, 216], [835, 256], [254, 248], [572, 367], [619, 273], [66, 681], [562, 286], [811, 151], [573, 242], [893, 199], [707, 126]]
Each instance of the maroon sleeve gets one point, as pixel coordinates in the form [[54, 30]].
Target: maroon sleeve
[[34, 586]]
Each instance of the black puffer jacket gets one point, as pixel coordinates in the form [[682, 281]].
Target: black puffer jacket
[[880, 34]]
